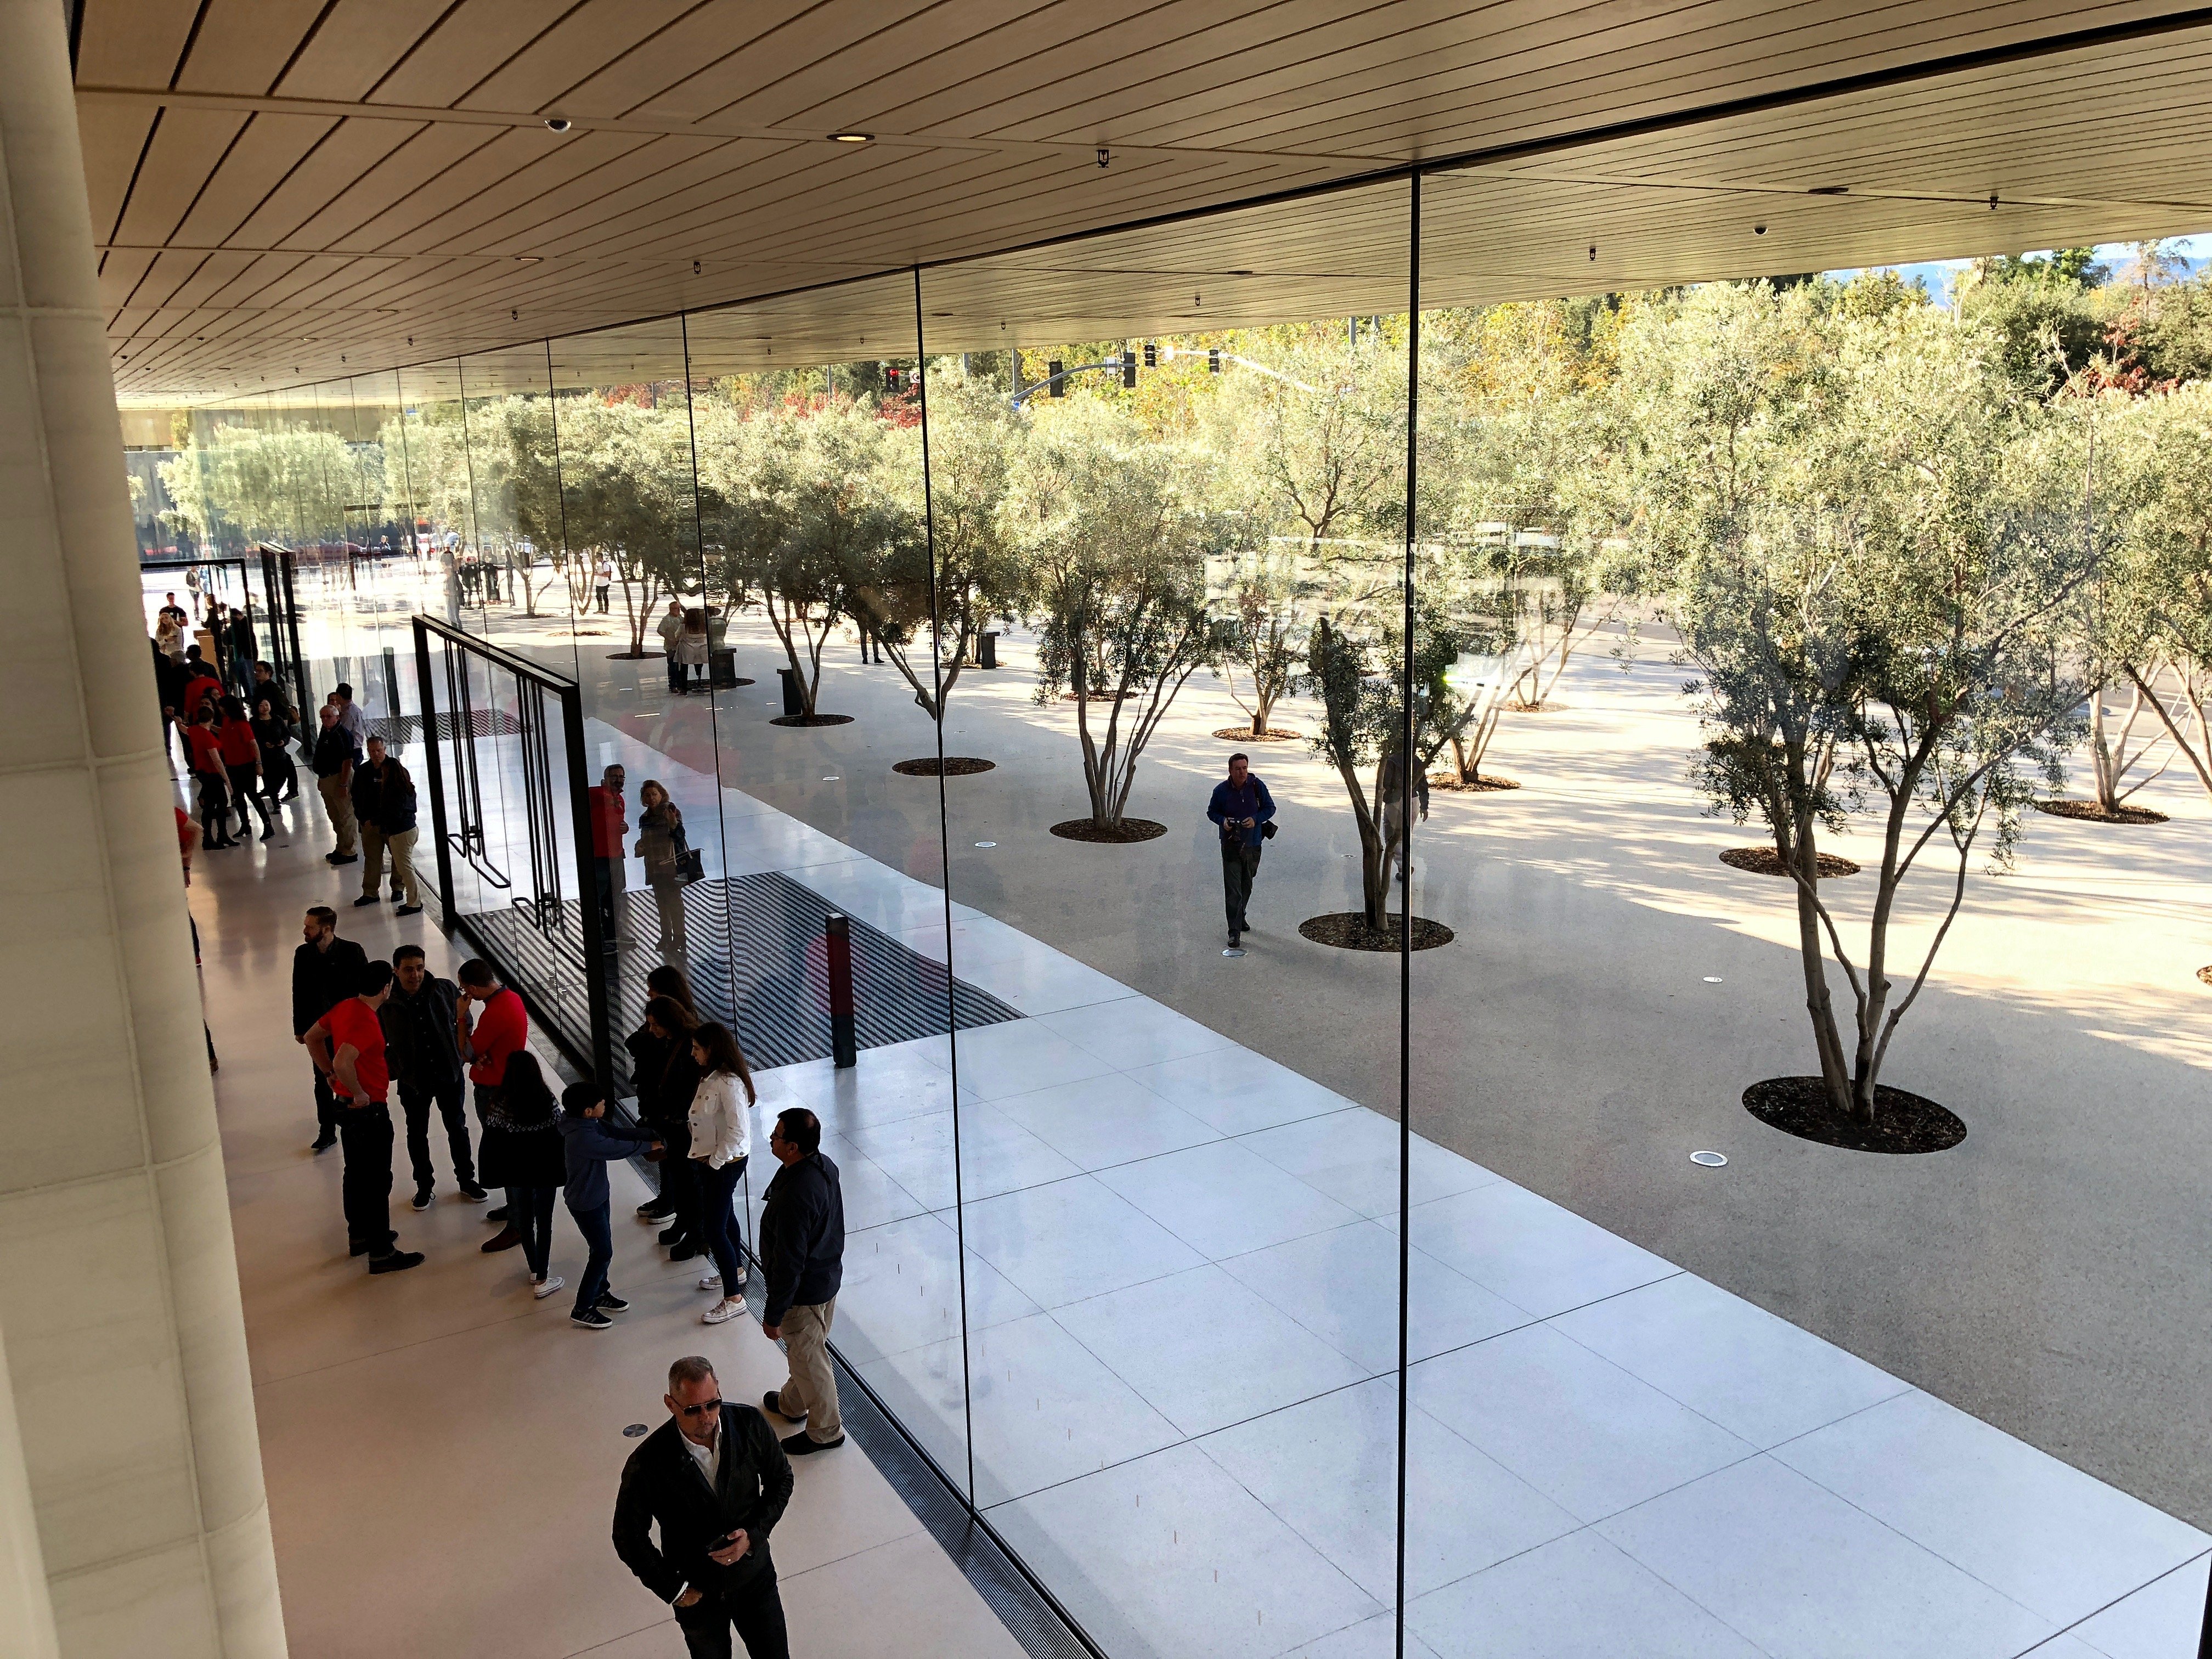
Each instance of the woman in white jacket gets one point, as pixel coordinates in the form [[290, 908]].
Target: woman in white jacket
[[722, 1140]]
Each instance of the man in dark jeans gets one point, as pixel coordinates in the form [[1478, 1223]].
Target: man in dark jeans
[[609, 814], [326, 970], [1241, 805], [714, 1481], [348, 1042], [802, 1242], [418, 1036]]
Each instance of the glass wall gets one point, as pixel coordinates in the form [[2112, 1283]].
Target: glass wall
[[1509, 1195]]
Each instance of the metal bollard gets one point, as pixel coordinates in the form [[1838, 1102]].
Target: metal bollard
[[840, 936], [792, 703], [987, 656]]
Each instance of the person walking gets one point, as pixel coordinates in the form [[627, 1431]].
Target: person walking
[[272, 735], [802, 1238], [671, 630], [241, 763], [486, 1041], [1241, 808], [667, 1077], [351, 720], [713, 1482], [521, 1152], [610, 829], [419, 1021], [662, 846], [384, 804], [602, 576], [1391, 788], [347, 1044], [204, 748], [333, 764], [722, 1142], [326, 970], [589, 1143]]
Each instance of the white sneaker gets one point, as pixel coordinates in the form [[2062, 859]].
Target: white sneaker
[[541, 1288], [710, 1281], [722, 1313]]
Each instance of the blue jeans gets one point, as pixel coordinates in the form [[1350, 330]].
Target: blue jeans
[[601, 1241], [718, 1193], [529, 1213]]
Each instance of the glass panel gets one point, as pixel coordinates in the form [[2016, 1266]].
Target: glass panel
[[1170, 472]]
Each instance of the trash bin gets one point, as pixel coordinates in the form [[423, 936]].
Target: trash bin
[[792, 703], [986, 650], [722, 666]]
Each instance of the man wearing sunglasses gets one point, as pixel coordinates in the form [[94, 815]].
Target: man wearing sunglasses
[[715, 1480]]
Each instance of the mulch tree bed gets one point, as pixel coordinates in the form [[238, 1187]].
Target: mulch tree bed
[[1246, 734], [634, 656], [1903, 1122], [1129, 830], [1348, 930], [2205, 973], [1546, 706], [1485, 783], [811, 719], [2093, 812], [1765, 861], [952, 766]]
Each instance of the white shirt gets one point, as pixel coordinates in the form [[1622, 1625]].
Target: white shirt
[[721, 1127], [709, 1458]]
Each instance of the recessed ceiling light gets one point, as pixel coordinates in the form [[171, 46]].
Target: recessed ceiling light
[[851, 138], [556, 124], [530, 258]]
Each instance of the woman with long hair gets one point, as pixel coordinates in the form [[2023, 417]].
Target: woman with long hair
[[722, 1140], [661, 844], [668, 980], [241, 761], [272, 733], [664, 1097], [521, 1150]]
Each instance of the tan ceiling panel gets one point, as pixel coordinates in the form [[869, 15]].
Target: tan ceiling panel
[[242, 46], [492, 177], [263, 156], [692, 35], [475, 39], [416, 165], [120, 273], [357, 46], [654, 168], [184, 150], [114, 138], [342, 160], [133, 43], [751, 66]]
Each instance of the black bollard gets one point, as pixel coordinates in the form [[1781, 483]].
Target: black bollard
[[987, 656], [792, 704], [840, 938]]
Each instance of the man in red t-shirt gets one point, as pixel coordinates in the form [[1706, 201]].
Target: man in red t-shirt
[[348, 1046], [204, 748], [486, 1041], [610, 816]]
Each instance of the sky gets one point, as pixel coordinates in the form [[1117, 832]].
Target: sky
[[1937, 273]]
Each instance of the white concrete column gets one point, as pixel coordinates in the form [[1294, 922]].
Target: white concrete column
[[27, 1612], [125, 1354]]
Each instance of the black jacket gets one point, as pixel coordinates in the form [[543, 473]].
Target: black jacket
[[662, 1483], [323, 978], [333, 751], [664, 1082], [802, 1237], [418, 1034], [384, 797]]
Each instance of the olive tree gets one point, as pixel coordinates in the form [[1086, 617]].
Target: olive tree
[[1109, 521], [1867, 598], [2165, 567]]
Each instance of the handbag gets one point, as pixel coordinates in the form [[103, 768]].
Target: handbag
[[688, 864]]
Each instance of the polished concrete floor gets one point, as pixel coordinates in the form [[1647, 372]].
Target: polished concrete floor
[[443, 1450]]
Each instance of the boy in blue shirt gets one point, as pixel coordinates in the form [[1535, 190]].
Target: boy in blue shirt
[[590, 1143]]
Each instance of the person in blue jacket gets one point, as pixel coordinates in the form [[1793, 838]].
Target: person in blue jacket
[[1241, 808], [590, 1143]]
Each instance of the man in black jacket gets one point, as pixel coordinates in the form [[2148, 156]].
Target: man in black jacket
[[326, 970], [418, 1045], [333, 764], [715, 1480], [802, 1237], [384, 805]]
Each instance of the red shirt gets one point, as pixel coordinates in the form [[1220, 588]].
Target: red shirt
[[204, 747], [609, 822], [355, 1022], [198, 690], [235, 739], [184, 828], [501, 1028]]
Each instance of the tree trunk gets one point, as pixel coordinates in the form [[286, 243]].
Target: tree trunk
[[1793, 843], [1260, 721], [2100, 753]]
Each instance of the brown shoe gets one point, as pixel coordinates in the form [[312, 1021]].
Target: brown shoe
[[505, 1239]]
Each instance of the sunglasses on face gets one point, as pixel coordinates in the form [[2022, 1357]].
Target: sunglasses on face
[[701, 1408]]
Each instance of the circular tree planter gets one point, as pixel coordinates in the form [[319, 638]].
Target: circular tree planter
[[1245, 734], [1129, 830], [1765, 861], [952, 766], [1546, 706], [1485, 783], [1903, 1122], [634, 656], [811, 719], [2093, 812], [1348, 930], [2205, 973]]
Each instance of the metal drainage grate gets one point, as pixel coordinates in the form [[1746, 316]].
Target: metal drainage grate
[[408, 728]]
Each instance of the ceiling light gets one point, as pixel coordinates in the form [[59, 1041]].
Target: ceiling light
[[530, 258], [851, 138], [556, 124]]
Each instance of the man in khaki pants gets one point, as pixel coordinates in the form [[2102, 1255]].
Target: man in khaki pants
[[802, 1236], [333, 764], [384, 801]]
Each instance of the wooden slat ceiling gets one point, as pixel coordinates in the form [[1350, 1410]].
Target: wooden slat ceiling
[[290, 191]]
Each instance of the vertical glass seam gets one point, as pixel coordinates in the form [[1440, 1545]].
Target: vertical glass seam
[[1406, 903]]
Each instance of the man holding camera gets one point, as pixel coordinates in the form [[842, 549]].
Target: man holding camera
[[1243, 810]]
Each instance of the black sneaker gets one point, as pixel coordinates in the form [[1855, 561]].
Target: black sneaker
[[324, 1141], [656, 1209], [473, 1192], [592, 1320], [397, 1262], [357, 1247], [267, 831], [365, 898], [686, 1250], [499, 1214], [609, 1302], [409, 910], [670, 1235], [772, 1400], [341, 858], [422, 1197], [799, 1446]]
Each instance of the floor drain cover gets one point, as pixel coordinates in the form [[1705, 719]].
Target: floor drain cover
[[986, 844], [1712, 978], [635, 1430], [1709, 1160], [1232, 951]]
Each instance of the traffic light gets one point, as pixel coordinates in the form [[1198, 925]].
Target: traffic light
[[1128, 367], [1213, 360], [1152, 356]]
